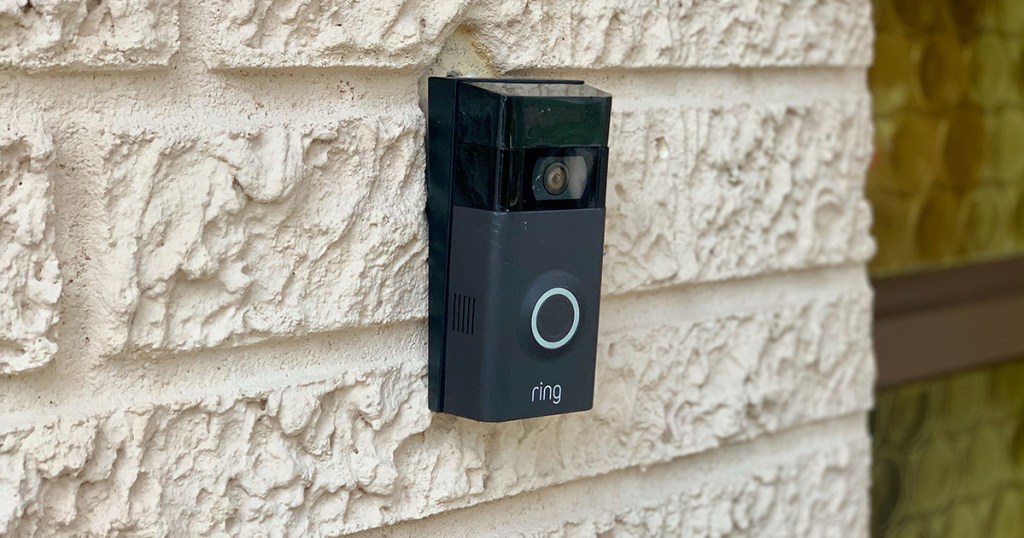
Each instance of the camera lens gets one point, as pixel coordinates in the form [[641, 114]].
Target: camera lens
[[556, 179]]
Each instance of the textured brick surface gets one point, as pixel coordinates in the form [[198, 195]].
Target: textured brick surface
[[528, 34], [698, 194], [619, 33], [29, 276], [220, 207], [801, 482], [122, 34], [812, 493], [711, 194], [362, 450], [279, 230]]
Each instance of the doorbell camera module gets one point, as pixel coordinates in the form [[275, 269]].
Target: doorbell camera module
[[516, 174]]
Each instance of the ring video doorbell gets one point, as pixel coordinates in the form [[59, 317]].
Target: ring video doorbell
[[515, 204]]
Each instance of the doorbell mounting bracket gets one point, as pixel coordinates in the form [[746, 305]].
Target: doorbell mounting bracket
[[516, 176]]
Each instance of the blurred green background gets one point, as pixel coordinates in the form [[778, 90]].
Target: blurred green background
[[947, 187], [947, 181]]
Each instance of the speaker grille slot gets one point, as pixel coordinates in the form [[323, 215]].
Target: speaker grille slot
[[463, 313]]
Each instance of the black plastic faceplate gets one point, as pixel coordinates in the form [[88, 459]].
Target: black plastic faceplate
[[484, 137]]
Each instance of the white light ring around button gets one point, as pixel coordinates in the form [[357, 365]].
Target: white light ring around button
[[547, 344]]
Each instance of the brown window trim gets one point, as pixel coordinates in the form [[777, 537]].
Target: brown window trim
[[937, 322]]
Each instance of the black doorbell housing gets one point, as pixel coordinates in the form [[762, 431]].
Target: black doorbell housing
[[516, 174]]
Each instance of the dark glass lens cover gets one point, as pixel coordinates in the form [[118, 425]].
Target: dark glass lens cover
[[520, 178], [559, 178], [586, 168]]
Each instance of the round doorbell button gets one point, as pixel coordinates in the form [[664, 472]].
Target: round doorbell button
[[556, 316]]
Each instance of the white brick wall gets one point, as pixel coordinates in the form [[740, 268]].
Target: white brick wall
[[234, 342], [89, 34], [29, 279]]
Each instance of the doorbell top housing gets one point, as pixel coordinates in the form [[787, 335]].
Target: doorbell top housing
[[516, 174]]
